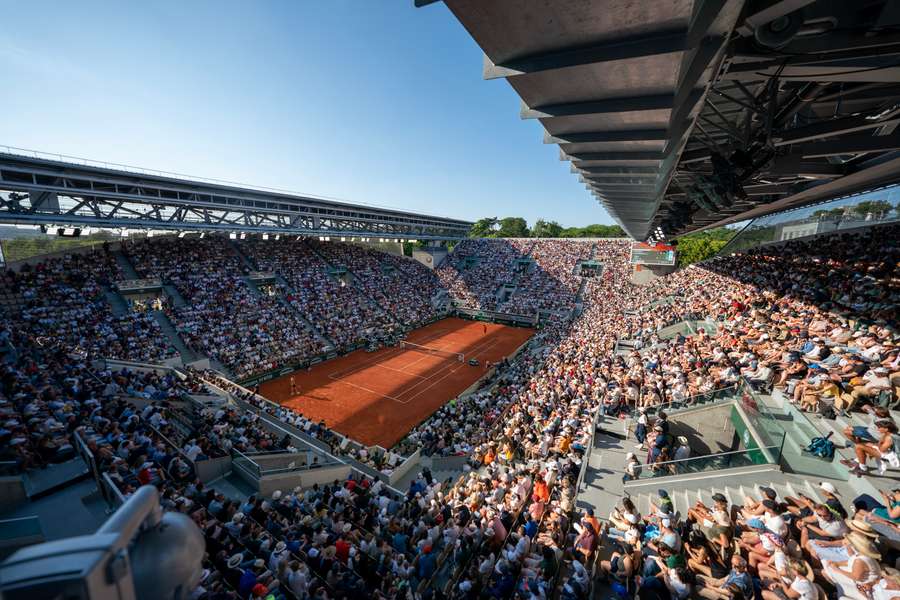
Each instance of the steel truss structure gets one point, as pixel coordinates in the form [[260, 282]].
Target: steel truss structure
[[36, 190], [684, 114]]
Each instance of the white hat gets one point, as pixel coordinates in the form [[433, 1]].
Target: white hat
[[276, 495], [280, 547], [235, 560], [630, 455], [828, 487], [238, 517]]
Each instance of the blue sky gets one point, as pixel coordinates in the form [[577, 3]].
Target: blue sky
[[361, 100]]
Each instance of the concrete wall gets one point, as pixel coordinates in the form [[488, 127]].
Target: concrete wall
[[304, 479], [12, 493], [209, 470], [649, 273], [430, 257]]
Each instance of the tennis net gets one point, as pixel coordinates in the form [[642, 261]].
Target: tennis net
[[433, 351]]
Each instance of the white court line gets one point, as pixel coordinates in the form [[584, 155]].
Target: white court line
[[480, 349], [447, 371], [376, 360]]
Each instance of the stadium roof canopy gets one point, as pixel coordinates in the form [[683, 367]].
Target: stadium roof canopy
[[684, 114], [56, 192]]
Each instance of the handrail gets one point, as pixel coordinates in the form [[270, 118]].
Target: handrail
[[117, 496], [653, 470], [691, 399]]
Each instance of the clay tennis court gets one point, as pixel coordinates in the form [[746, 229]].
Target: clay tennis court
[[377, 397]]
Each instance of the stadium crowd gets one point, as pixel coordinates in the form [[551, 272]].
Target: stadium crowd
[[222, 317], [476, 267], [62, 301], [336, 307], [387, 279], [817, 322], [551, 284]]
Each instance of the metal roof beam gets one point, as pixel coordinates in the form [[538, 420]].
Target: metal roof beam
[[832, 128], [609, 105], [614, 171], [634, 135], [634, 47], [645, 155], [854, 144]]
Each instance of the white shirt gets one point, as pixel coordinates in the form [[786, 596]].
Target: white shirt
[[805, 588]]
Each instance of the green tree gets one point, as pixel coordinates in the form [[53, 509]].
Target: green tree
[[513, 227], [593, 231], [546, 229], [829, 213], [691, 250], [699, 246], [484, 228], [878, 208]]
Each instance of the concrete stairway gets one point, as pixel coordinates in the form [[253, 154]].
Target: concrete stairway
[[168, 329], [323, 339], [353, 278], [175, 296], [125, 264], [602, 487], [687, 493], [805, 426], [249, 264], [118, 304]]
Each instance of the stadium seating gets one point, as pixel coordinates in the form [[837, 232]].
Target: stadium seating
[[816, 321], [223, 319]]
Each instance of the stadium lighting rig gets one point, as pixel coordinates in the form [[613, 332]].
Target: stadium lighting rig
[[123, 560]]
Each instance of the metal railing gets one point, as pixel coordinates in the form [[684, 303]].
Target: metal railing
[[714, 462]]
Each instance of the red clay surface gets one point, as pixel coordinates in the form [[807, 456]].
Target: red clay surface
[[378, 397]]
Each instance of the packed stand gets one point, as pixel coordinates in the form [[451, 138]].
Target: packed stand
[[63, 302], [402, 287], [551, 284], [224, 318], [334, 307], [476, 268]]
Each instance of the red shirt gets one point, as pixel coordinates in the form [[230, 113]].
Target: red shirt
[[342, 550]]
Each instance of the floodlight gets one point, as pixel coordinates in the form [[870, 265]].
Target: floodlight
[[123, 559], [243, 236], [265, 236], [232, 236], [181, 234], [202, 234], [343, 239], [277, 236]]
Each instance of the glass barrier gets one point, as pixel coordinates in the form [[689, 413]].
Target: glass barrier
[[243, 462], [713, 462], [852, 212], [728, 393]]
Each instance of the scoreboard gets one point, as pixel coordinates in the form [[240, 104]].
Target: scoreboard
[[652, 254]]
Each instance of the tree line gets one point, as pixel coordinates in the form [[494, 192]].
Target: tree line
[[517, 227]]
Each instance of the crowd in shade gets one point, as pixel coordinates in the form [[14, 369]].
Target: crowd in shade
[[331, 302], [476, 267], [223, 318], [551, 282], [815, 321], [62, 300], [387, 279]]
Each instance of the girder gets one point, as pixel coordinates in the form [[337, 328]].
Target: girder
[[57, 192]]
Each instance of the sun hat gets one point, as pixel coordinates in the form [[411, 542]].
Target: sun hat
[[235, 561], [860, 526], [863, 545], [280, 547], [828, 487]]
